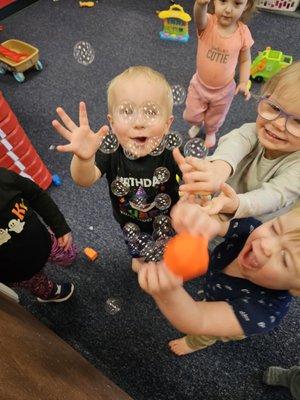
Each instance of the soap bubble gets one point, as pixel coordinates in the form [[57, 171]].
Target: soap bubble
[[150, 113], [113, 305], [139, 199], [84, 53], [148, 249], [162, 174], [131, 232], [126, 112], [142, 240], [173, 140], [162, 221], [159, 148], [195, 148], [155, 253], [119, 188], [133, 249], [179, 94], [52, 147], [109, 143], [130, 154], [162, 201]]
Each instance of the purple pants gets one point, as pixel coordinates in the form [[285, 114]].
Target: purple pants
[[40, 285]]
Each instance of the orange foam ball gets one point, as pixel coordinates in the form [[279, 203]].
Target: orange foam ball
[[187, 255]]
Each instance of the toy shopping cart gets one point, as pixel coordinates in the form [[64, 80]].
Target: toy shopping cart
[[30, 58]]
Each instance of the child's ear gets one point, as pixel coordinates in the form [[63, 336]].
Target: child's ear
[[169, 122], [110, 120]]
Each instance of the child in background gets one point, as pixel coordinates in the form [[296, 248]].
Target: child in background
[[223, 42], [260, 161], [247, 284], [289, 378], [140, 107], [26, 244]]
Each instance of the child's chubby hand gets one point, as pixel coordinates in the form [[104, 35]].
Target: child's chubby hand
[[65, 241], [156, 279], [227, 202], [190, 217], [200, 176], [202, 2], [83, 142], [243, 88]]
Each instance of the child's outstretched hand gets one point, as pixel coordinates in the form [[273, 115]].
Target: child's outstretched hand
[[83, 141], [156, 279], [191, 218], [65, 241], [200, 176], [227, 202], [243, 88]]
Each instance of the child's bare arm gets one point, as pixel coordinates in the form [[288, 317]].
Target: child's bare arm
[[183, 312], [200, 14], [83, 143], [244, 68]]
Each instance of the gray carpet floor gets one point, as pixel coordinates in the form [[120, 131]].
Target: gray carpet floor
[[130, 347]]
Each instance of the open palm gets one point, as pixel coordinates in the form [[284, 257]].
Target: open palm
[[83, 142]]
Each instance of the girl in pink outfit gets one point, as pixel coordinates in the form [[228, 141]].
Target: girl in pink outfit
[[223, 42]]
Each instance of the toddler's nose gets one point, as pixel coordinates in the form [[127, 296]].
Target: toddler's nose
[[280, 123]]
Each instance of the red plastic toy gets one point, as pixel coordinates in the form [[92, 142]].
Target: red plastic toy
[[187, 256], [12, 55]]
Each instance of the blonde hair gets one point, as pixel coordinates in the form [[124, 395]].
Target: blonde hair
[[285, 82], [148, 73], [247, 13]]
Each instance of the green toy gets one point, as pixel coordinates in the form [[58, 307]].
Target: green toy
[[268, 63]]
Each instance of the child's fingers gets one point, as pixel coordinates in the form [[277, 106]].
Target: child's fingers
[[178, 157], [153, 282], [197, 163], [61, 129], [196, 187], [194, 176], [102, 131], [83, 118], [247, 95], [228, 191], [142, 277], [69, 123], [67, 148]]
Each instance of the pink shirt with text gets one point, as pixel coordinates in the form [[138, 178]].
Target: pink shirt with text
[[217, 56]]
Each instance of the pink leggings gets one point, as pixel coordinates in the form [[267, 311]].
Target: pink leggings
[[40, 285], [208, 105]]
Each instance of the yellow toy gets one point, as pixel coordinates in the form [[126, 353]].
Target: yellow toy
[[176, 24], [86, 4]]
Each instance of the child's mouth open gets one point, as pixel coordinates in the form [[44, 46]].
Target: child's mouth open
[[248, 258], [141, 140]]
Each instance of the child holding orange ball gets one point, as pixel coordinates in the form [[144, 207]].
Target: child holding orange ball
[[249, 282]]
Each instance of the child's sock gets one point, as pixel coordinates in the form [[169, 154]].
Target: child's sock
[[277, 376], [210, 140], [194, 130]]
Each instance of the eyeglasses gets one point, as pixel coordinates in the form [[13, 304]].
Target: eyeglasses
[[270, 111]]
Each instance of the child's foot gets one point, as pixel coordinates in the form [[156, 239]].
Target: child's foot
[[180, 347], [63, 292], [136, 264], [193, 131], [210, 140]]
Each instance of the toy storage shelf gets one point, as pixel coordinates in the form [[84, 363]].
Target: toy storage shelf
[[294, 14]]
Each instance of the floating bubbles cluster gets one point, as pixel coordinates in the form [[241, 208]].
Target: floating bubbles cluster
[[179, 94], [195, 148], [84, 53], [151, 248], [162, 201]]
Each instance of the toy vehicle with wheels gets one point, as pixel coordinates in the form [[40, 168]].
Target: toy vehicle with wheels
[[268, 63], [29, 59]]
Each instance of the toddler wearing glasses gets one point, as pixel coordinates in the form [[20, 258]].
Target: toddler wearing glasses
[[260, 161], [141, 172]]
